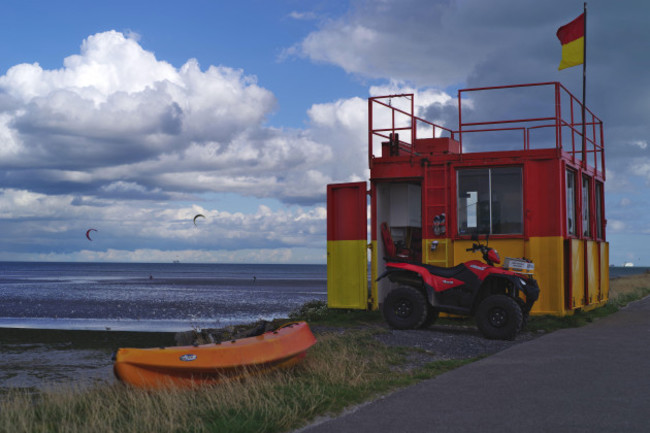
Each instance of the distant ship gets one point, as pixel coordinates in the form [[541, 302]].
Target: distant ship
[[177, 261], [628, 265]]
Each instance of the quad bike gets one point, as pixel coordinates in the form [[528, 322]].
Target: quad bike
[[498, 298]]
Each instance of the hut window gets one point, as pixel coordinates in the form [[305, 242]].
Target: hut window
[[599, 210], [586, 206], [571, 202], [490, 200]]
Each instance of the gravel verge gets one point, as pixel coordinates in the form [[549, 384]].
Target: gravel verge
[[446, 342]]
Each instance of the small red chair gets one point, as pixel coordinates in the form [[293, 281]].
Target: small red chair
[[390, 249]]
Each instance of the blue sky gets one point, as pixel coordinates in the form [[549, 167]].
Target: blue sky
[[132, 117], [250, 35]]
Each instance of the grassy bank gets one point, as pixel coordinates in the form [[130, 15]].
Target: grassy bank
[[346, 367], [341, 370], [621, 292]]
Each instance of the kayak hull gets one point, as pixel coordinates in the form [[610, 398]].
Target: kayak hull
[[208, 364]]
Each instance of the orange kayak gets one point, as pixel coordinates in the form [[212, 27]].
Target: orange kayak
[[188, 366]]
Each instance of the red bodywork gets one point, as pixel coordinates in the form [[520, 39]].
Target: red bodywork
[[440, 284]]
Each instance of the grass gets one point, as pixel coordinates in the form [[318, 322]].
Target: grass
[[317, 313], [345, 368], [622, 291]]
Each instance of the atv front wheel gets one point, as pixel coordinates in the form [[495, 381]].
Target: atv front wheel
[[499, 317], [432, 316], [405, 308]]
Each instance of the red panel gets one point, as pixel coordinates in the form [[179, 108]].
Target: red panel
[[436, 146], [397, 168], [346, 212], [544, 198]]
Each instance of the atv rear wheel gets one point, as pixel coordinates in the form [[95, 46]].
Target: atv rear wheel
[[405, 308], [499, 317]]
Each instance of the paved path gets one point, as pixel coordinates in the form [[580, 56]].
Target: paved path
[[590, 379]]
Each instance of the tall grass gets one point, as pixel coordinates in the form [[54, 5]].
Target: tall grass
[[340, 370], [626, 289], [622, 291]]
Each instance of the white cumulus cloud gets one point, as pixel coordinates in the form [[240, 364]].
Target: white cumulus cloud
[[122, 120], [124, 142]]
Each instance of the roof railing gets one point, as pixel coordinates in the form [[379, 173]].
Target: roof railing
[[396, 115], [401, 119]]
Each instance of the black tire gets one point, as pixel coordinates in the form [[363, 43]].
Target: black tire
[[432, 316], [524, 315], [405, 308], [499, 317], [524, 321]]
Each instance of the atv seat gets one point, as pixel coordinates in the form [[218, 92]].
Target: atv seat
[[445, 272]]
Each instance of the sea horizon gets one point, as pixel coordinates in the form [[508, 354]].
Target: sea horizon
[[166, 297], [161, 297]]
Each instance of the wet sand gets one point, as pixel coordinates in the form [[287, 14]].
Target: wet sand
[[38, 358]]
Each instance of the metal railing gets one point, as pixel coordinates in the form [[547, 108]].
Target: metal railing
[[410, 124], [587, 151], [397, 115]]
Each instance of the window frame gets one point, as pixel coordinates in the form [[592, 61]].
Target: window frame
[[599, 189], [571, 203], [586, 217], [490, 192]]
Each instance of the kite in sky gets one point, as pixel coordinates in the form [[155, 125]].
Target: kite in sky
[[88, 233], [198, 215]]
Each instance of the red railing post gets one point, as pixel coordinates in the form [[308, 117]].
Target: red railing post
[[413, 122], [602, 149], [558, 118], [460, 122], [593, 131], [370, 132]]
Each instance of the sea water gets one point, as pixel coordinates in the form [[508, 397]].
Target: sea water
[[152, 297], [624, 271], [166, 297]]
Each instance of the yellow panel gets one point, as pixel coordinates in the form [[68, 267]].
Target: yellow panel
[[374, 301], [593, 272], [604, 271], [547, 253], [505, 248], [438, 257], [577, 273], [347, 274]]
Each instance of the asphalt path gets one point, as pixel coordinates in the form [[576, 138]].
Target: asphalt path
[[590, 379]]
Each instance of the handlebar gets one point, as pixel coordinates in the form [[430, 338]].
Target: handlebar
[[474, 247], [485, 250]]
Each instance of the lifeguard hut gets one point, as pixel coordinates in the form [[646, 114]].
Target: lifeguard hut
[[518, 169]]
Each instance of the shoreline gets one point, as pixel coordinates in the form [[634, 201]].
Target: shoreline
[[41, 358], [48, 358], [84, 339]]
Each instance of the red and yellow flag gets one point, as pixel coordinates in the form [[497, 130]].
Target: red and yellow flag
[[572, 38]]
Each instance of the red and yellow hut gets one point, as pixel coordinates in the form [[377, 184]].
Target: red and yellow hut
[[533, 183]]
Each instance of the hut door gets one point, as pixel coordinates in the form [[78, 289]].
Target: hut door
[[347, 243]]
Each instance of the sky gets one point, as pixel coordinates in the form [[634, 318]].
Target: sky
[[131, 117]]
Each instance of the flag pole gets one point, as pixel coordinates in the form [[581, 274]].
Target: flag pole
[[584, 90]]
